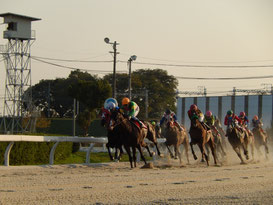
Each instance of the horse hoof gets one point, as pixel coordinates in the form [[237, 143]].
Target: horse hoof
[[243, 162]]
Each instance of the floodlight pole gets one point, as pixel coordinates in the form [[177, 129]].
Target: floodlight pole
[[132, 58]]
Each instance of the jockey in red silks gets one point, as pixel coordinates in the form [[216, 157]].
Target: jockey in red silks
[[244, 122], [232, 117], [195, 111]]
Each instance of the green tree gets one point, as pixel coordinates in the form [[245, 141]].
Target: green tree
[[84, 120], [57, 95], [161, 90]]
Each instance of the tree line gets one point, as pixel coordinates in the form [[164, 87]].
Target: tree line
[[54, 98]]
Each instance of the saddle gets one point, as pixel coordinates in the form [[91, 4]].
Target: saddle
[[135, 123]]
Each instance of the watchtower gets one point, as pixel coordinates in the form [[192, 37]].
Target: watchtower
[[17, 102]]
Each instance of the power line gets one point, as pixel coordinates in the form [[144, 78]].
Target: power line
[[69, 67], [204, 66], [239, 78], [69, 60]]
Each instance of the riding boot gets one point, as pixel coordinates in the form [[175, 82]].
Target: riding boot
[[142, 125]]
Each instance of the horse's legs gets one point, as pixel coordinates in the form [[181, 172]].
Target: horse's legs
[[172, 156], [202, 149], [127, 148], [212, 147], [109, 152], [141, 153], [156, 145], [192, 151], [134, 155], [238, 152], [178, 152], [186, 146], [120, 152]]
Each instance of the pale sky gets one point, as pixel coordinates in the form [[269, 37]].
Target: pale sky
[[174, 32]]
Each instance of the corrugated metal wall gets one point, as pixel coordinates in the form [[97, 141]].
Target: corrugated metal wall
[[261, 105]]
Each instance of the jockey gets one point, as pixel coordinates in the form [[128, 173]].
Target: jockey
[[230, 117], [170, 113], [210, 120], [256, 122], [194, 111], [132, 110], [244, 121]]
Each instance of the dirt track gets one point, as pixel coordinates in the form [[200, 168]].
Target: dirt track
[[116, 183]]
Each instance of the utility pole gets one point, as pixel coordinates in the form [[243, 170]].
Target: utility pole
[[107, 40]]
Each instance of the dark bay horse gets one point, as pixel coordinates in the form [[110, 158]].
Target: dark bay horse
[[113, 136], [175, 137], [200, 136], [131, 135], [261, 139], [238, 139]]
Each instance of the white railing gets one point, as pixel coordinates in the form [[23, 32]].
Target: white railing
[[57, 140]]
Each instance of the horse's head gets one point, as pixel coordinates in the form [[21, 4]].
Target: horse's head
[[169, 121], [217, 123], [116, 118], [105, 117], [158, 131], [194, 121]]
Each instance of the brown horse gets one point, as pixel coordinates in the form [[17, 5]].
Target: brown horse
[[218, 141], [238, 139], [175, 137], [131, 135], [221, 131], [200, 136], [151, 134], [261, 139]]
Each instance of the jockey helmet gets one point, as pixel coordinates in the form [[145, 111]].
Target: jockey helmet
[[255, 117], [125, 101], [193, 107], [242, 114], [168, 111], [111, 105], [208, 113], [230, 112]]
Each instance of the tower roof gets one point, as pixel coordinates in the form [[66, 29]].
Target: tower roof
[[19, 16]]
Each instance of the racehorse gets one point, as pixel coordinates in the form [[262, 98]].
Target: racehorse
[[221, 131], [113, 136], [175, 137], [131, 135], [260, 139], [151, 134], [200, 136], [218, 141], [238, 139]]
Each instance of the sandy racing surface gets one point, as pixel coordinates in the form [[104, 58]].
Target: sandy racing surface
[[116, 183]]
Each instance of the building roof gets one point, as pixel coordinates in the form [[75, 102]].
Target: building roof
[[20, 16]]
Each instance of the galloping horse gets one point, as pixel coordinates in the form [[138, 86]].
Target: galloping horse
[[114, 139], [219, 127], [218, 141], [200, 136], [175, 137], [260, 139], [131, 135], [151, 134], [238, 140]]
